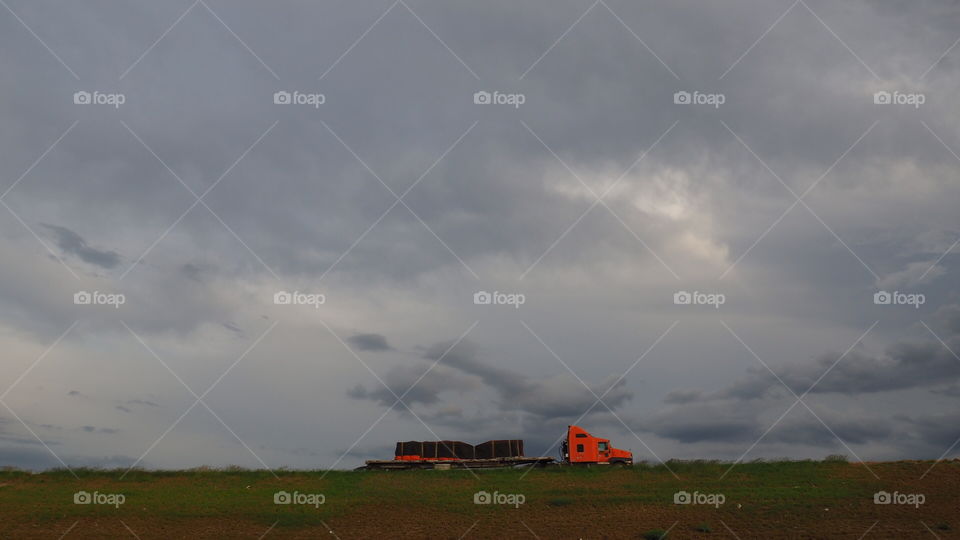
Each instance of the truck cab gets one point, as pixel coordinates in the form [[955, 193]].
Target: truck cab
[[580, 447]]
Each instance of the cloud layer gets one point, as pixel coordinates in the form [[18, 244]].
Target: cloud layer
[[383, 210]]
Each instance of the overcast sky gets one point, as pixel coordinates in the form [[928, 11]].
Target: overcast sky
[[629, 152]]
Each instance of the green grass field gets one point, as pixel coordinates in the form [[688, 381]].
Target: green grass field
[[772, 497]]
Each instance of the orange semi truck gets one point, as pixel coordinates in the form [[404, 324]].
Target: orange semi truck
[[581, 448], [577, 448]]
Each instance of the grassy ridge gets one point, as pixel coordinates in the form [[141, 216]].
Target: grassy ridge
[[772, 487]]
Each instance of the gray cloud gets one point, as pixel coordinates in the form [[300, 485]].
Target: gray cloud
[[27, 458], [914, 364], [939, 429], [143, 402], [192, 271], [427, 391], [233, 328], [73, 244], [740, 412], [558, 396], [689, 421], [300, 212], [952, 391], [369, 342]]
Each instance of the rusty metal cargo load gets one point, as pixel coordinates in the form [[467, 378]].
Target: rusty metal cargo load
[[508, 448], [442, 464]]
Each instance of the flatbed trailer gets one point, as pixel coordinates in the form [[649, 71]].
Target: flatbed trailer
[[446, 464]]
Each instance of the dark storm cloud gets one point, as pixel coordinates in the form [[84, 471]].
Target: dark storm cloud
[[736, 413], [27, 440], [952, 391], [191, 271], [736, 422], [23, 452], [73, 244], [299, 203], [462, 369], [469, 198], [95, 429], [683, 396], [900, 366], [948, 319], [707, 431], [27, 458], [805, 429], [941, 430], [369, 342], [914, 364], [142, 402], [555, 396], [400, 378], [465, 357], [233, 328]]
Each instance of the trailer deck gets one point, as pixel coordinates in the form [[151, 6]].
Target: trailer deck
[[443, 464]]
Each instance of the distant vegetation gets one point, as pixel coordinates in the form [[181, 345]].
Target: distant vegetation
[[640, 501]]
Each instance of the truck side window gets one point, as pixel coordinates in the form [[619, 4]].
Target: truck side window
[[579, 448], [603, 446]]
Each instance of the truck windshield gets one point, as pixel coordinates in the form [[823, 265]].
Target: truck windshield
[[602, 446]]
